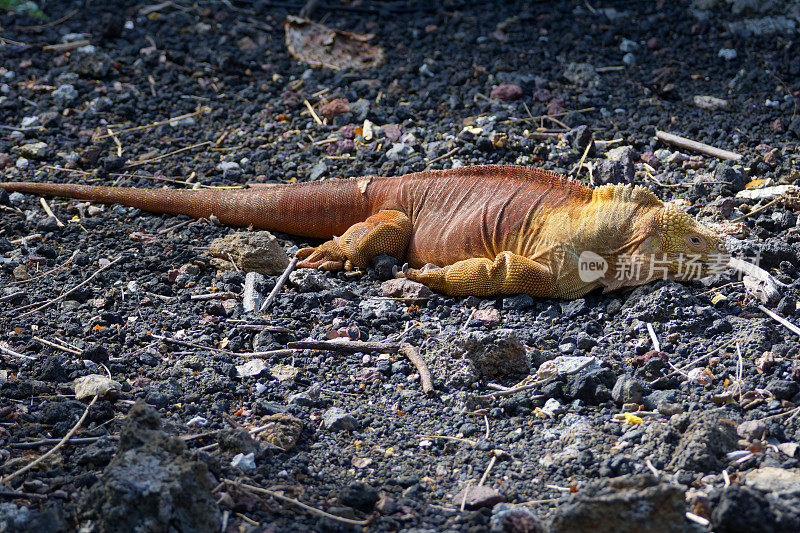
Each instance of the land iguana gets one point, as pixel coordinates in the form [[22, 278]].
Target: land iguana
[[490, 229]]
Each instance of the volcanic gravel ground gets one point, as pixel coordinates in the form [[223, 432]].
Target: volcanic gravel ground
[[620, 438]]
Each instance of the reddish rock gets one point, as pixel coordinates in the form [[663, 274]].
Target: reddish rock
[[344, 146], [405, 288], [771, 157], [392, 132], [556, 107], [650, 158], [475, 497], [777, 125], [489, 317], [542, 95], [507, 92], [334, 108], [348, 131], [292, 99], [653, 43], [246, 44]]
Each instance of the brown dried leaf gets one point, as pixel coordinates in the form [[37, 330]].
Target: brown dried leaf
[[323, 47]]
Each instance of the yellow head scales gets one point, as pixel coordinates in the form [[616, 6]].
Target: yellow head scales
[[682, 239]]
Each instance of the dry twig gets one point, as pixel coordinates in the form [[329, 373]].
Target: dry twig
[[688, 144], [278, 285], [298, 503], [49, 212], [778, 318], [403, 348], [313, 113], [156, 124], [73, 289], [168, 154], [9, 351], [55, 448]]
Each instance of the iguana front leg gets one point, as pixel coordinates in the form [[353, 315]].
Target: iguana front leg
[[507, 274], [387, 232]]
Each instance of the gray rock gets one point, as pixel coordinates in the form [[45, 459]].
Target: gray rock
[[657, 302], [151, 484], [582, 74], [48, 224], [704, 444], [627, 389], [360, 109], [319, 169], [90, 62], [65, 94], [384, 266], [566, 347], [252, 368], [307, 398], [731, 174], [22, 519], [751, 430], [230, 169], [520, 302], [237, 441], [244, 461], [253, 291], [762, 26], [309, 280], [359, 495], [337, 419], [576, 363], [399, 152], [628, 504], [628, 46], [772, 479], [669, 409], [377, 308], [94, 384], [783, 389], [460, 358], [607, 171], [507, 518], [573, 308], [585, 341], [256, 251], [29, 122], [742, 509], [34, 150], [552, 407]]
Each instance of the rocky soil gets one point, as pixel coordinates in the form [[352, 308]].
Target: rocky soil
[[672, 407]]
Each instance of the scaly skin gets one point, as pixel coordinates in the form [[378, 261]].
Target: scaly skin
[[493, 229]]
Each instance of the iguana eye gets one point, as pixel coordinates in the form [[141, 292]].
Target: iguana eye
[[695, 241]]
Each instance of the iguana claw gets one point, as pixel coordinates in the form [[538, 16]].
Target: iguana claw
[[401, 272]]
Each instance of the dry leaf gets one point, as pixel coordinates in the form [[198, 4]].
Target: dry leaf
[[320, 46]]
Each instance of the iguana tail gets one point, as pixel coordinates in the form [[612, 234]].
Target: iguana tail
[[316, 209]]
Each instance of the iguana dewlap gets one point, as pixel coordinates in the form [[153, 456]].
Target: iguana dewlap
[[493, 229]]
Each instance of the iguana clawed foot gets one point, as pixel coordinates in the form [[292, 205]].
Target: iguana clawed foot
[[384, 232], [328, 256]]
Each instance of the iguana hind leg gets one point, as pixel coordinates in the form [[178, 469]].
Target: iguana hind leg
[[387, 232], [507, 274]]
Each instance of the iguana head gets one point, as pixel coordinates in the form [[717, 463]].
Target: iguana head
[[687, 248]]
